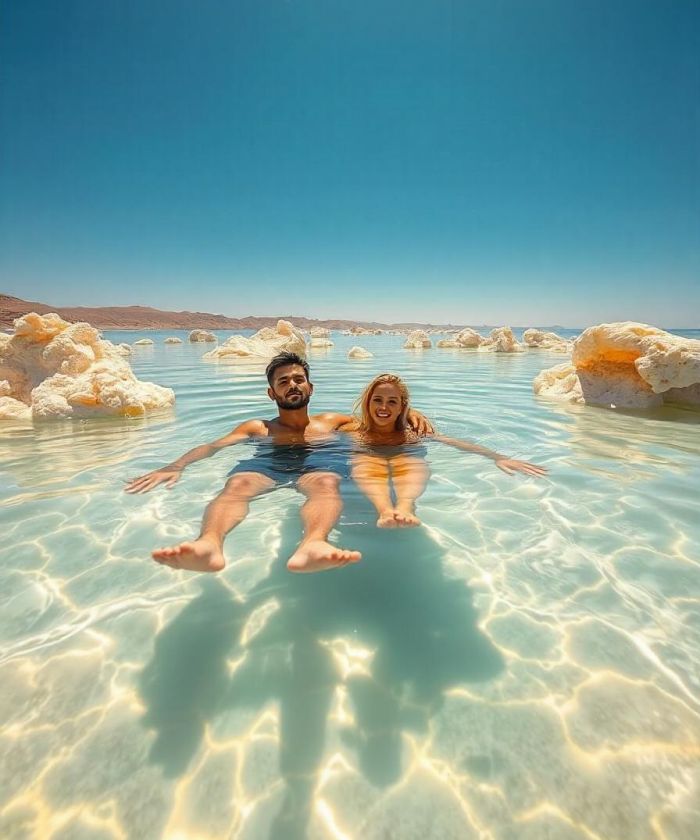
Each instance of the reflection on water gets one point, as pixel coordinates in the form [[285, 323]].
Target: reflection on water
[[525, 665]]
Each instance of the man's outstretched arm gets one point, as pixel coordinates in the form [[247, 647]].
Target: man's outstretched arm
[[503, 462], [170, 473]]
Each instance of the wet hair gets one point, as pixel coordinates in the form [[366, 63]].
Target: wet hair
[[284, 359], [364, 423]]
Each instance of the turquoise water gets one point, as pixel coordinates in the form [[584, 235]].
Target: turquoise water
[[522, 667]]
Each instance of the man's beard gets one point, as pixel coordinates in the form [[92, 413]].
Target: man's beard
[[286, 405]]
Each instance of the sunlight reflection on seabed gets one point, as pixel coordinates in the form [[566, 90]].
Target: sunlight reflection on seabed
[[524, 666]]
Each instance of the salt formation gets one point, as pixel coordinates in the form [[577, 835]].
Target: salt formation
[[626, 365], [266, 343], [543, 340], [123, 349], [173, 340], [359, 353], [417, 340], [466, 338], [143, 342], [469, 338], [202, 335], [502, 340], [50, 369], [319, 332], [319, 343]]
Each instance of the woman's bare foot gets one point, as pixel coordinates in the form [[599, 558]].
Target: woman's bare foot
[[398, 518], [406, 517], [318, 555], [200, 555], [387, 519]]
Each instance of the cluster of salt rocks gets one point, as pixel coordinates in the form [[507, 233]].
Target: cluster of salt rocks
[[52, 369], [500, 340]]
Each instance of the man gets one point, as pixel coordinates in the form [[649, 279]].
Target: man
[[297, 456]]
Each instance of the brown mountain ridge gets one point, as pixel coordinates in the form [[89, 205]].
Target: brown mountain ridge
[[147, 318]]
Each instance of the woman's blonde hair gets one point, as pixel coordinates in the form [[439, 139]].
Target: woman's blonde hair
[[364, 422]]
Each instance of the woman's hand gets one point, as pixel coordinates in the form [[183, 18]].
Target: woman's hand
[[147, 482], [419, 422], [510, 466]]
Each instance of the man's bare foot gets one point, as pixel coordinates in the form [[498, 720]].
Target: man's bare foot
[[318, 555], [201, 555]]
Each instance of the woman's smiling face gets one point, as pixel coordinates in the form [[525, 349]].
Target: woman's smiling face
[[385, 405]]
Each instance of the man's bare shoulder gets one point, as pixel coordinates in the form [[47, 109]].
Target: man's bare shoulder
[[331, 419], [254, 428]]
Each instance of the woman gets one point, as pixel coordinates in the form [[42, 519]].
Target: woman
[[389, 454]]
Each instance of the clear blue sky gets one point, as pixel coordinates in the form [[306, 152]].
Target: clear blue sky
[[484, 161]]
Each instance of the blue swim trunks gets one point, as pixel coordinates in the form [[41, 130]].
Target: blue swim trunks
[[285, 464]]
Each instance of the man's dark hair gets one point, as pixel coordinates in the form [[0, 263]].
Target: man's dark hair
[[284, 359]]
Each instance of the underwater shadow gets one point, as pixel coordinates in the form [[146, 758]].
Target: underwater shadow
[[418, 626]]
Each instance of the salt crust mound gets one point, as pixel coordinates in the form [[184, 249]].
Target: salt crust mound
[[319, 332], [502, 340], [469, 338], [320, 343], [357, 330], [466, 339], [266, 343], [202, 335], [626, 365], [358, 352], [52, 369], [543, 340], [173, 340], [417, 340], [143, 341], [123, 349]]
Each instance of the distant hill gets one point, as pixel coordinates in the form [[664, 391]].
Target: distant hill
[[146, 318]]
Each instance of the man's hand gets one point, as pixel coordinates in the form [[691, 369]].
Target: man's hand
[[510, 466], [147, 482], [419, 423]]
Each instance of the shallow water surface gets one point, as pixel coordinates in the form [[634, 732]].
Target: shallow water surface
[[523, 666]]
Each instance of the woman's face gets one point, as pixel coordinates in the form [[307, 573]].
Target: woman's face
[[385, 405]]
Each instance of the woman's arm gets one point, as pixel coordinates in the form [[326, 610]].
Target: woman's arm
[[503, 462]]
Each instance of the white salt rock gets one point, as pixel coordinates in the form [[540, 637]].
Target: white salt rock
[[543, 340], [50, 369], [628, 365], [359, 353], [266, 343], [201, 335], [417, 340], [502, 340]]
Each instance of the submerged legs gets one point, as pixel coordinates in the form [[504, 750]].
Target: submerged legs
[[319, 514]]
